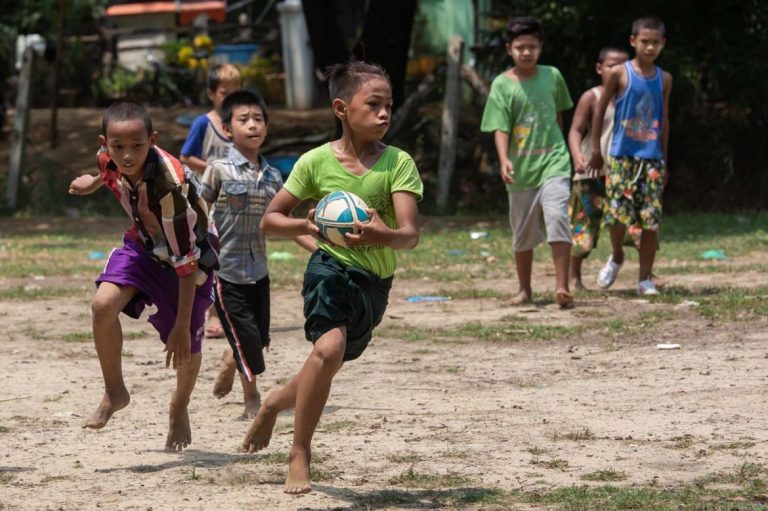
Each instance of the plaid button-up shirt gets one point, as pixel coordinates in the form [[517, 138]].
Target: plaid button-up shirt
[[240, 194], [169, 217]]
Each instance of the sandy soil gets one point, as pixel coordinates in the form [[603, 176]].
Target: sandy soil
[[501, 414]]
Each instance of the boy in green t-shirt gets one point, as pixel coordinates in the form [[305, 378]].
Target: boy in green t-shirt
[[345, 287], [523, 112]]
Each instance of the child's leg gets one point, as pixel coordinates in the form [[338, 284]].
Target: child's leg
[[251, 397], [561, 253], [554, 207], [313, 387], [108, 302], [618, 230], [576, 262], [307, 392], [179, 433], [647, 251], [524, 266], [222, 385]]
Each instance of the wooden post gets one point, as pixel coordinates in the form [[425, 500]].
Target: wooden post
[[20, 122], [450, 122], [54, 136]]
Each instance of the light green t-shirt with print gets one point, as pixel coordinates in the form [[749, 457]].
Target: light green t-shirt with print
[[527, 110], [318, 173]]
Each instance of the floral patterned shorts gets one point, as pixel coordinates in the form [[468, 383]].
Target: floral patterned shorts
[[585, 210], [633, 189]]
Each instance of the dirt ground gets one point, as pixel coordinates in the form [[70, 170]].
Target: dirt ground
[[447, 413], [506, 415]]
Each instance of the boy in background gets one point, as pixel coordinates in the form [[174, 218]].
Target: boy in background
[[586, 204], [241, 186], [524, 114], [637, 175], [206, 141]]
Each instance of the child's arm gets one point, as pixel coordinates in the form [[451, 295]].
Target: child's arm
[[179, 344], [506, 169], [610, 90], [278, 222], [376, 232], [579, 127], [84, 185], [306, 242], [198, 165], [667, 84]]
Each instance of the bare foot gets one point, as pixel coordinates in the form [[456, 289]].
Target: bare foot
[[222, 385], [521, 298], [108, 406], [564, 299], [260, 432], [179, 433], [252, 405], [579, 285], [297, 481]]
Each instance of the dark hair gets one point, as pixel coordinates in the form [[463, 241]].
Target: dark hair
[[223, 73], [344, 80], [649, 22], [242, 98], [523, 25], [125, 110], [609, 49]]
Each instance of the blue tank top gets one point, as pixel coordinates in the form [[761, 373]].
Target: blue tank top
[[637, 124]]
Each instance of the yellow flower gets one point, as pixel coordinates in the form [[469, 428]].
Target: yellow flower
[[202, 41], [192, 63], [185, 53]]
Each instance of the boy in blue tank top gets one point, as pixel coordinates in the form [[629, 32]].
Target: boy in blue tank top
[[637, 174]]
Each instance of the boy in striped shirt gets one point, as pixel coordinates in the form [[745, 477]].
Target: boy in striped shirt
[[167, 259]]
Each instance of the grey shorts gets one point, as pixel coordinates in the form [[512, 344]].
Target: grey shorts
[[548, 204]]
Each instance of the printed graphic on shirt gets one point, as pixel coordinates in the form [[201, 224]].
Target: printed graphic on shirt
[[643, 126]]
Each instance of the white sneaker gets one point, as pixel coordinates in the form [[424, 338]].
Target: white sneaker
[[646, 288], [608, 273]]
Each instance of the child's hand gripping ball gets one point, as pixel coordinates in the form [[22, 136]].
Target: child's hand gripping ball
[[338, 213]]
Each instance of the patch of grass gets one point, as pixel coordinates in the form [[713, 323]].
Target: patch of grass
[[77, 337], [578, 435], [471, 293], [553, 464], [454, 453], [735, 304], [741, 444], [453, 369], [607, 475], [536, 451], [19, 293], [5, 429], [336, 426], [412, 479], [746, 473], [324, 475], [682, 442], [5, 478], [404, 458]]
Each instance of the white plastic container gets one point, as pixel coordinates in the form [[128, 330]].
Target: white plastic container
[[297, 56]]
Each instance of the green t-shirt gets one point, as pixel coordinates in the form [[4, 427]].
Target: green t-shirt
[[318, 173], [527, 111]]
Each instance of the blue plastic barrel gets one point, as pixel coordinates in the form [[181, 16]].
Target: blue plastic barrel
[[236, 53], [283, 162]]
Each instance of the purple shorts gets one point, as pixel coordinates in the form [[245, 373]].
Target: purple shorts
[[158, 285]]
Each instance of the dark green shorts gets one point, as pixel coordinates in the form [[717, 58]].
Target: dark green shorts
[[336, 295]]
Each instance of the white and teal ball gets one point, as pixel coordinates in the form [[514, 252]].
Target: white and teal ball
[[336, 214]]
